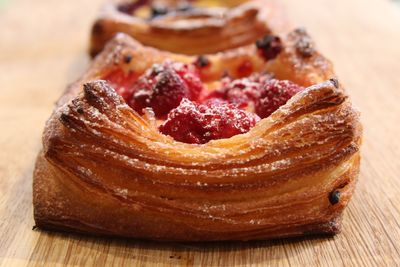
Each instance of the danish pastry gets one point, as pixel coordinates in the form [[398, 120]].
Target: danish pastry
[[112, 164], [188, 27]]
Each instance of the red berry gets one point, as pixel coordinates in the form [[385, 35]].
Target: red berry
[[190, 75], [198, 124], [241, 92], [159, 88], [274, 93], [215, 101], [245, 69], [121, 82], [163, 86]]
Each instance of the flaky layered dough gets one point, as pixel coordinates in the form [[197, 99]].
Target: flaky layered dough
[[106, 170], [199, 30]]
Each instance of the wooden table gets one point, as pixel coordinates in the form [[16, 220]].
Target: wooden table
[[43, 46]]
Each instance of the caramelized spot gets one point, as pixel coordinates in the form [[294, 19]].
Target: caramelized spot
[[97, 28], [304, 44]]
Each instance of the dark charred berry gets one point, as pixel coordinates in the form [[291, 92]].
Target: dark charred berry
[[163, 86], [158, 10], [269, 46], [198, 124], [274, 93], [335, 82], [334, 197], [202, 62], [128, 59]]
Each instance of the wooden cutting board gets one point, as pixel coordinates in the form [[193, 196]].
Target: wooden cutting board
[[43, 47]]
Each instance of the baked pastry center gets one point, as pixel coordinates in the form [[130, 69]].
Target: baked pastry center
[[191, 111]]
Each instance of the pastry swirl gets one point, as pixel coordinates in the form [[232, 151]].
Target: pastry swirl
[[106, 170]]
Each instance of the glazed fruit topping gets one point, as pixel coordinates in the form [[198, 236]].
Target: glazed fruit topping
[[162, 87], [199, 123], [274, 93], [191, 76], [258, 93], [269, 46], [241, 92], [175, 92]]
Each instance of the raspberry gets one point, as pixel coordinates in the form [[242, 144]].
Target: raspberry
[[190, 75], [241, 92], [159, 88], [215, 101], [198, 124], [162, 87], [245, 69], [121, 82], [274, 93]]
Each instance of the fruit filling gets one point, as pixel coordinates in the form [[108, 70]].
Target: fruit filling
[[240, 92], [274, 93], [190, 112], [162, 87], [200, 123], [260, 94]]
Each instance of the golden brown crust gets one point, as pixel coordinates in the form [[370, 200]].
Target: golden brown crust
[[105, 170], [194, 31], [274, 181]]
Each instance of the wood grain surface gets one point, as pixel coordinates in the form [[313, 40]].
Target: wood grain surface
[[43, 46]]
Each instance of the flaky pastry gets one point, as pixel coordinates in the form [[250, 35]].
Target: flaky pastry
[[107, 170]]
